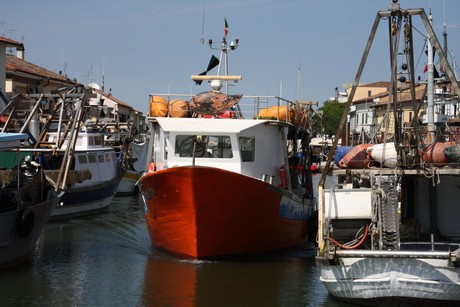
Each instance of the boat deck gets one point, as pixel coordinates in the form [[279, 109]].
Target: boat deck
[[390, 171]]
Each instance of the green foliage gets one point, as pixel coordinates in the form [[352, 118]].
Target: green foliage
[[330, 115]]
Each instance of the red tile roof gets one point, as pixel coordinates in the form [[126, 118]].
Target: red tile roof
[[384, 84], [15, 64], [110, 96], [10, 42]]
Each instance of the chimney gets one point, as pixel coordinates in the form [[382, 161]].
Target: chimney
[[20, 52]]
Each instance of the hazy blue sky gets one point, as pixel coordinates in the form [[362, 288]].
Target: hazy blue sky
[[153, 46]]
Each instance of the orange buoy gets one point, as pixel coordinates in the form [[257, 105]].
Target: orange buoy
[[281, 113], [356, 158], [434, 153], [178, 108], [158, 106]]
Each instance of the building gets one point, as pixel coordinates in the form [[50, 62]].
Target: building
[[23, 77], [367, 115], [113, 112], [4, 44]]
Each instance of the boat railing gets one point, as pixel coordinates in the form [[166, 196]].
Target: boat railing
[[396, 254], [252, 106]]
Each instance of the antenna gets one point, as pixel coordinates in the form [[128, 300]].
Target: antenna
[[3, 25], [224, 48], [10, 49], [103, 69], [298, 82], [202, 26]]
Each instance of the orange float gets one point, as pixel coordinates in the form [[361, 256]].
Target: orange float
[[178, 108], [434, 153], [356, 158], [158, 106], [277, 113]]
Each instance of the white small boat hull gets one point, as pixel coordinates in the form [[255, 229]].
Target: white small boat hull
[[384, 153], [63, 210], [87, 199], [404, 279]]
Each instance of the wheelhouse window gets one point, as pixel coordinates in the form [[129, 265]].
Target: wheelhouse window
[[95, 140], [247, 147], [82, 159], [92, 158], [204, 146]]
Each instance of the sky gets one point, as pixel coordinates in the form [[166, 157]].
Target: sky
[[291, 48]]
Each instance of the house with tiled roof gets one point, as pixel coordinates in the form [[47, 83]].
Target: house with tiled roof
[[110, 110], [361, 116], [409, 107], [23, 77], [368, 114], [18, 76], [364, 91]]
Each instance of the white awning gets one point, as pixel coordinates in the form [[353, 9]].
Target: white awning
[[207, 125]]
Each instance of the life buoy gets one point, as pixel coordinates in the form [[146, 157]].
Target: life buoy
[[29, 167], [283, 177], [25, 223]]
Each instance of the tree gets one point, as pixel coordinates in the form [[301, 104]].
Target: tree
[[331, 114]]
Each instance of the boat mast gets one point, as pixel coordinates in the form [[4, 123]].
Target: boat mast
[[224, 48], [430, 92], [216, 81]]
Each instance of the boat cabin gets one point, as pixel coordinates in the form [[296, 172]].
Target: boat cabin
[[242, 146], [91, 154]]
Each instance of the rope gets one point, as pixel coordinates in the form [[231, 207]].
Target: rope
[[363, 238]]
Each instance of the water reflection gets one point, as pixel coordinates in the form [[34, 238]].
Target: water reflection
[[159, 280], [276, 280]]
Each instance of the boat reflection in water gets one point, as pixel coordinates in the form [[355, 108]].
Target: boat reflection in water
[[263, 281]]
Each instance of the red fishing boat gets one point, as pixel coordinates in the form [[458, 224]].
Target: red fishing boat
[[226, 186]]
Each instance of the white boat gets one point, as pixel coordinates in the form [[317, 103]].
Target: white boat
[[100, 175], [27, 199], [65, 141], [390, 235]]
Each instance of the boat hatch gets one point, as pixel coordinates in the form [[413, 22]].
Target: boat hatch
[[348, 204]]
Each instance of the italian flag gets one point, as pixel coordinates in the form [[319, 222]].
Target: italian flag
[[226, 27]]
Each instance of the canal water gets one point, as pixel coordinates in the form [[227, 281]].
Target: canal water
[[107, 260]]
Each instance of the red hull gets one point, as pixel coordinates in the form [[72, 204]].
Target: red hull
[[203, 212]]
